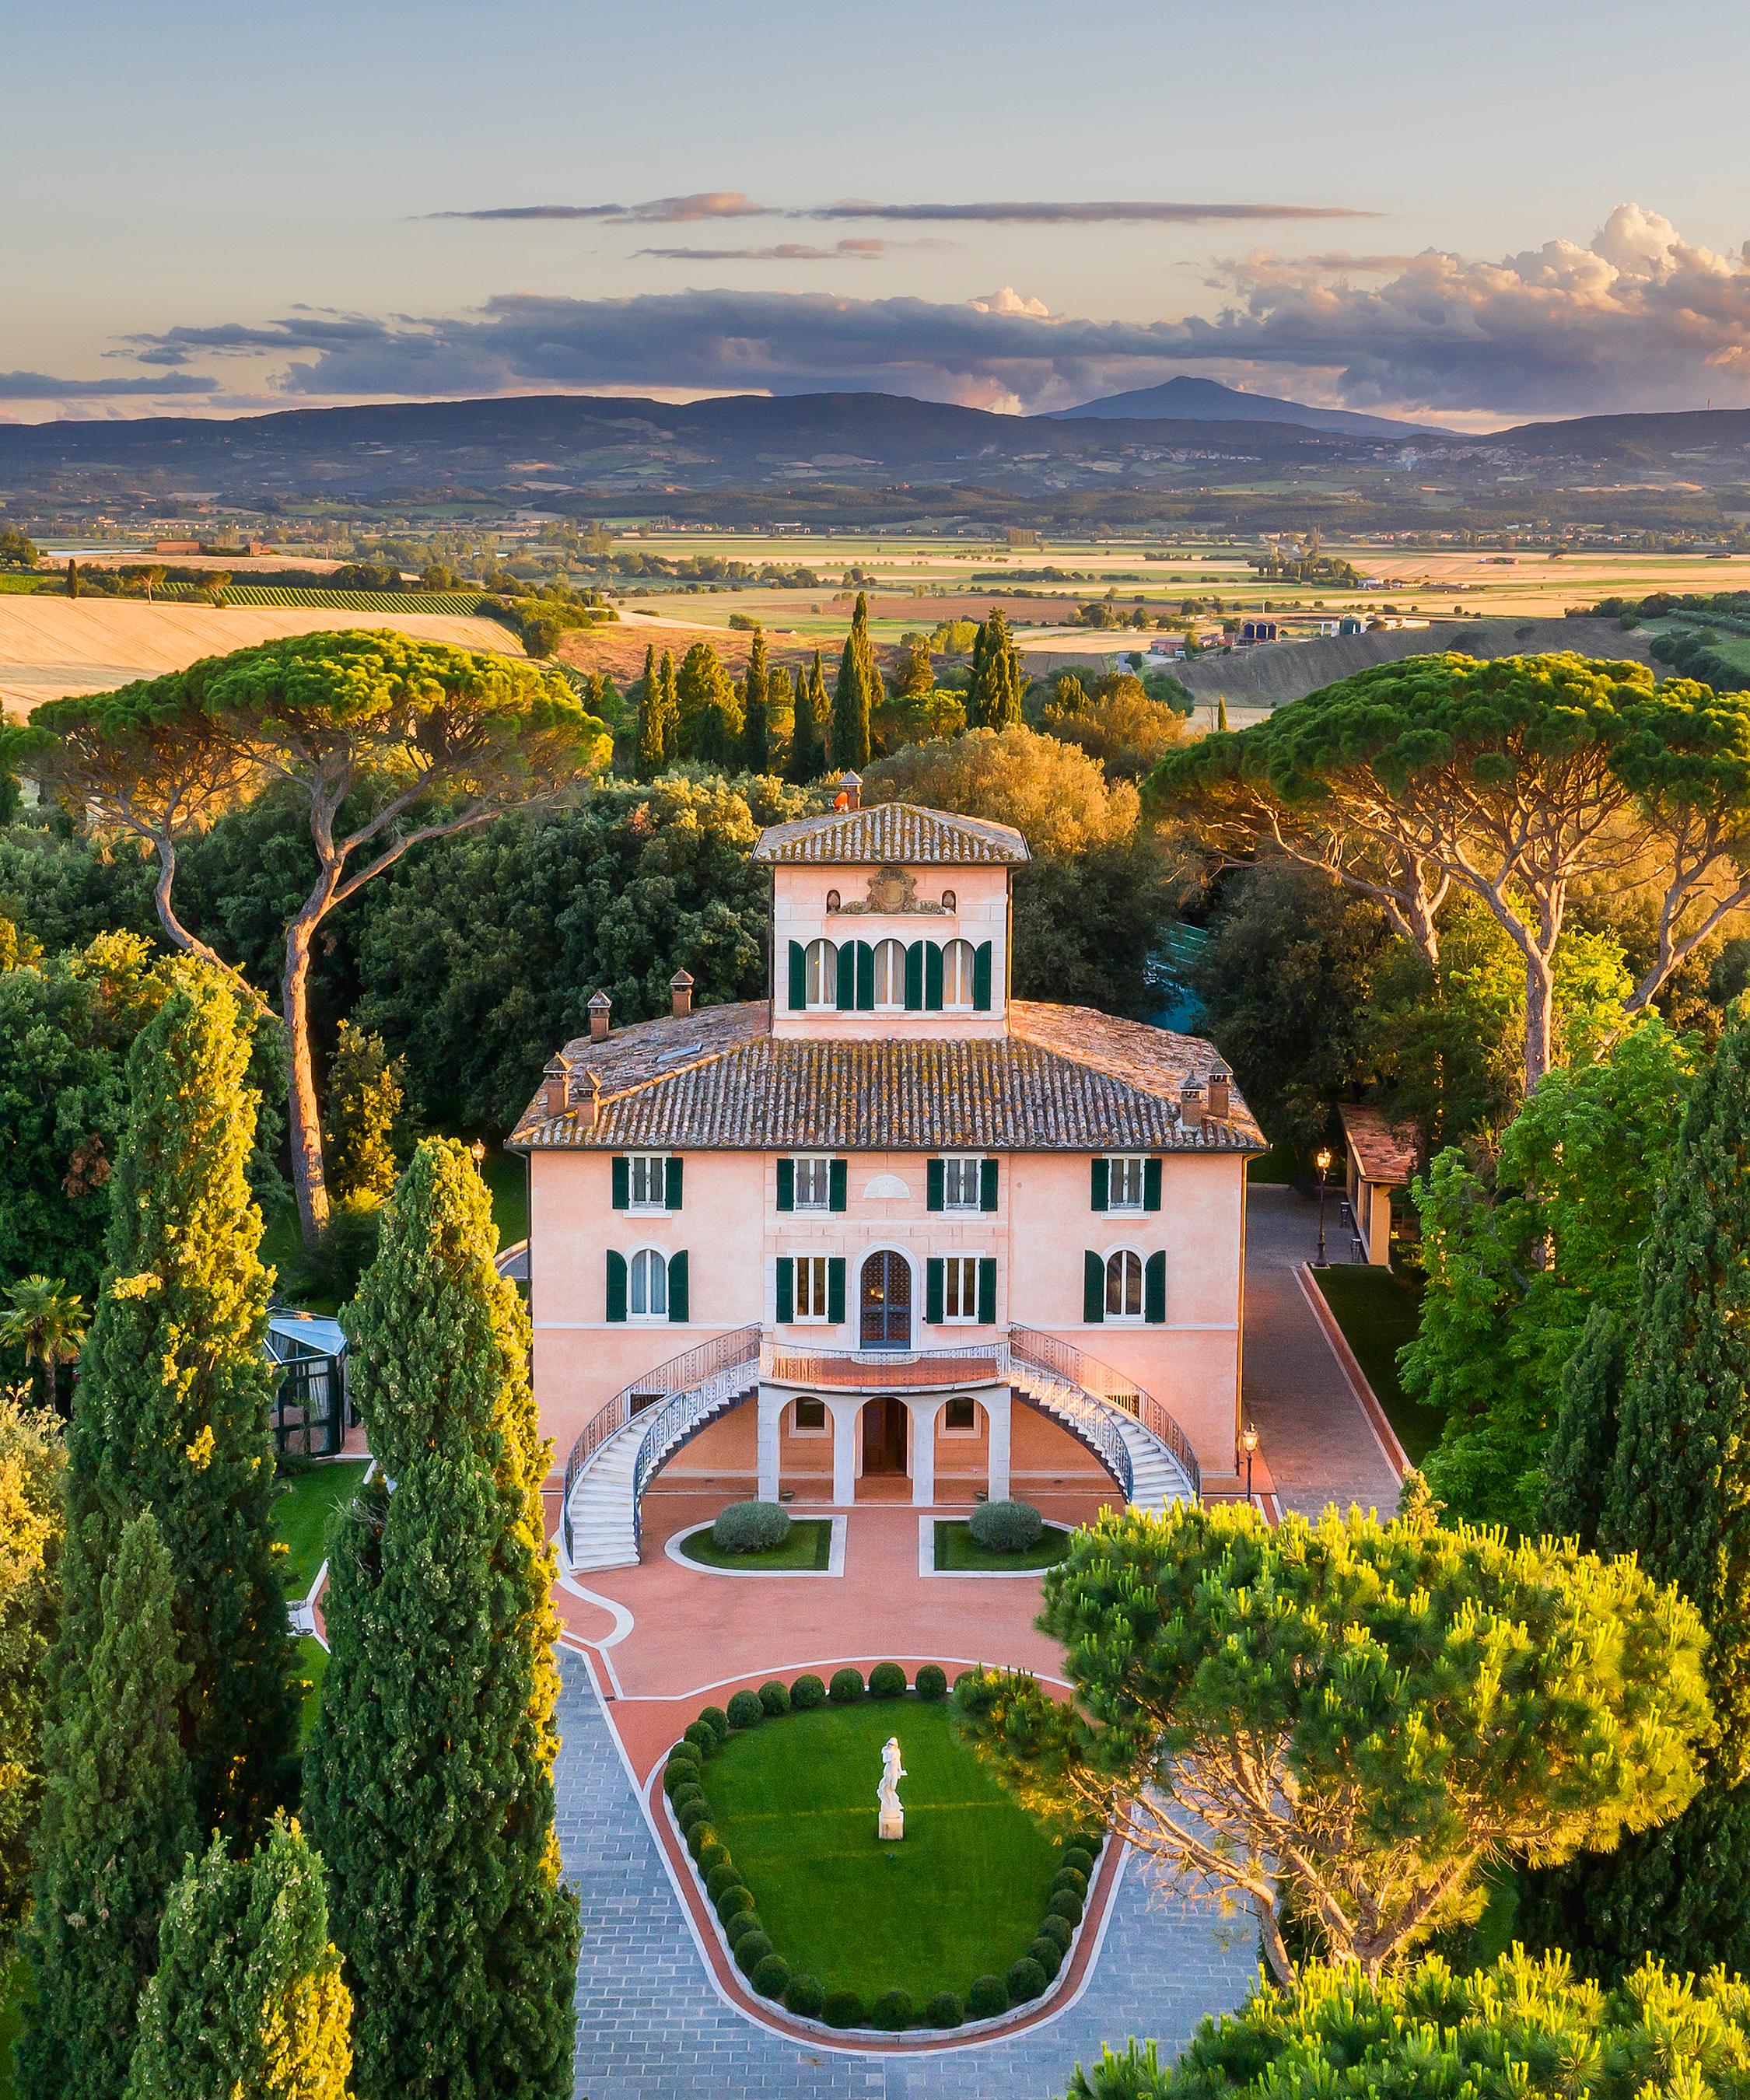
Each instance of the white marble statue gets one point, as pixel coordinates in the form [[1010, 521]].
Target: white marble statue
[[892, 1822]]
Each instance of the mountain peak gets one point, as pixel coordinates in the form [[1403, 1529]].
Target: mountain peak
[[1190, 399]]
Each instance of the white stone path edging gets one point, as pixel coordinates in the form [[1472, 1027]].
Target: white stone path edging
[[927, 1558], [835, 1557], [301, 1616]]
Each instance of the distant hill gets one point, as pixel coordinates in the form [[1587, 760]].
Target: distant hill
[[1189, 399]]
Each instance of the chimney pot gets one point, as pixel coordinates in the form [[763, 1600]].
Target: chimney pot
[[600, 1006], [1191, 1104], [681, 992], [851, 791], [1220, 1079], [556, 1086]]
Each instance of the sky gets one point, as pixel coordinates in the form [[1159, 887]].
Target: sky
[[1476, 216]]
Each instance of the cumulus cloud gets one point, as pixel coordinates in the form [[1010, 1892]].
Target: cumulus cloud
[[783, 251], [1009, 300]]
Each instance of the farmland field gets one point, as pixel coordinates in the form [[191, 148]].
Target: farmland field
[[52, 646]]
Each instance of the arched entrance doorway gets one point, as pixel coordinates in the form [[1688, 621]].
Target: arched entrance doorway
[[884, 1302], [884, 1437]]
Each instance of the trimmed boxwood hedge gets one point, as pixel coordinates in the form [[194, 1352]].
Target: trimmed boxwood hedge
[[1067, 1905], [887, 1680], [725, 1875], [945, 2010], [807, 1692], [892, 2011], [1026, 1979], [702, 1734], [690, 1814], [717, 1721], [1059, 1929], [988, 1997], [751, 1950], [736, 1929], [716, 1854], [846, 1688], [771, 1976], [701, 1833], [775, 1696], [932, 1684], [750, 1527], [1006, 1527], [1082, 1862], [804, 1996], [745, 1710], [680, 1770], [1073, 1879], [1049, 1956], [737, 1896], [842, 2008]]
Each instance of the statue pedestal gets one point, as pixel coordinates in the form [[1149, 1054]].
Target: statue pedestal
[[890, 1826]]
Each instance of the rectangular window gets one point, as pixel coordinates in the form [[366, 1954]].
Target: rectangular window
[[1125, 1182], [960, 1189], [814, 1185], [812, 1276], [648, 1181], [960, 1287], [810, 1418], [960, 1416]]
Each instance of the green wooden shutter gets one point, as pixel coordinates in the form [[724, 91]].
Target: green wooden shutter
[[844, 975], [616, 1285], [865, 977], [672, 1183], [798, 976], [987, 1185], [981, 978], [679, 1310], [1151, 1183], [933, 1174], [787, 1185], [621, 1181], [933, 1281], [1102, 1175], [838, 1179], [987, 1290], [914, 978], [787, 1290], [835, 1287], [1093, 1288], [1154, 1290], [932, 977]]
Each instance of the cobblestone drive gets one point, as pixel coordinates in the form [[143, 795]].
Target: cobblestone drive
[[649, 2024]]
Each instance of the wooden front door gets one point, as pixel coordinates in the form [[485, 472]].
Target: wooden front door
[[886, 1302], [884, 1436]]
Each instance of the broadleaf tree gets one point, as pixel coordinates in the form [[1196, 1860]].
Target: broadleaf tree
[[32, 1460]]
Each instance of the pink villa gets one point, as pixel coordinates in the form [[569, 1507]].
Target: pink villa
[[888, 1233]]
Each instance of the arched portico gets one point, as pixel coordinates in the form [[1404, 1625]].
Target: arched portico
[[848, 1416]]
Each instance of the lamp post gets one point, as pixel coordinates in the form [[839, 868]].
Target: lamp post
[[477, 1151], [1322, 1160], [1248, 1444]]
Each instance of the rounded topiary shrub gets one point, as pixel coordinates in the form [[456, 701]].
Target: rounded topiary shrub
[[807, 1692], [1048, 1954], [987, 1996], [717, 1720], [701, 1736], [1059, 1928], [1007, 1527], [681, 1770], [887, 1680], [699, 1834], [713, 1855], [685, 1801], [1082, 1862], [751, 1950], [737, 1896], [804, 1996], [736, 1929], [774, 1696], [745, 1710], [771, 1979], [1073, 1879], [842, 2008], [892, 2011], [1066, 1904], [1093, 1843], [944, 2010], [932, 1684], [846, 1688], [1026, 1979], [724, 1875], [750, 1527]]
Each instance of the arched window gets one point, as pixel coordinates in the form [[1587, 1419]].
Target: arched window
[[1124, 1285], [822, 980], [647, 1298], [957, 977], [890, 976]]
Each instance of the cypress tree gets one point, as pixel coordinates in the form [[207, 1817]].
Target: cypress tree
[[364, 1105], [756, 720], [671, 716], [1577, 1467], [171, 1411], [808, 751], [118, 1819], [429, 1786], [992, 699], [651, 718], [1677, 1495], [851, 698], [247, 2002], [780, 715]]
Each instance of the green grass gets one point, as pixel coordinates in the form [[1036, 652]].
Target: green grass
[[960, 1896], [1378, 1310], [506, 1175], [810, 1545], [312, 1666], [1277, 1165], [958, 1553], [307, 1498]]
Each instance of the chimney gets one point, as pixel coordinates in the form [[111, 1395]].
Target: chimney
[[556, 1086], [681, 993], [1220, 1079], [593, 1104], [599, 1006], [1190, 1104], [850, 795]]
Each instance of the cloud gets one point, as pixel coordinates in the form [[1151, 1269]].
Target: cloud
[[784, 251], [1638, 318], [42, 386], [658, 211], [1135, 214], [1359, 266]]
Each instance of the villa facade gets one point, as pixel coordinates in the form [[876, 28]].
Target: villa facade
[[889, 1232]]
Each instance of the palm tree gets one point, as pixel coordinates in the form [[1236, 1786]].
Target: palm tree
[[46, 1321]]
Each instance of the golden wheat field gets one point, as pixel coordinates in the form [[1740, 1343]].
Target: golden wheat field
[[51, 646]]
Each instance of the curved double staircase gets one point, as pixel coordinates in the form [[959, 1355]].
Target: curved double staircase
[[626, 1443]]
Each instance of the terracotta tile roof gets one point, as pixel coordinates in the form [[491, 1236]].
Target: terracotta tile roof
[[1384, 1151], [892, 834], [1063, 1079]]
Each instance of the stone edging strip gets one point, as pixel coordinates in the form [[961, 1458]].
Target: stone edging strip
[[1378, 1420], [835, 1557]]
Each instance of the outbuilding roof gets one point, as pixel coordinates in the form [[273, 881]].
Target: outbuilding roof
[[892, 834], [1063, 1079], [1386, 1152]]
